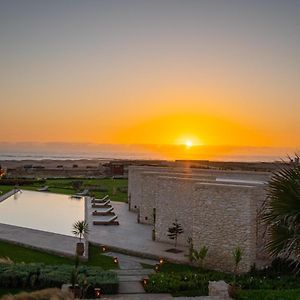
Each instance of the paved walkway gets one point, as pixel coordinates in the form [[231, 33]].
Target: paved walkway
[[130, 237], [51, 242], [131, 273]]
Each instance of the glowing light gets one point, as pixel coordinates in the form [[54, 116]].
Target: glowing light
[[189, 143]]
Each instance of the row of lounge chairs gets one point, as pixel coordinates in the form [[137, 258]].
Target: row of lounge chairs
[[104, 209]]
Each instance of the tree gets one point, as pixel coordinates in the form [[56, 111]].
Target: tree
[[281, 213], [174, 231]]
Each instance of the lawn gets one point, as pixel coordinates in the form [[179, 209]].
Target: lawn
[[112, 187], [22, 254]]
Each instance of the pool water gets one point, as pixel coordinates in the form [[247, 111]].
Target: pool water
[[42, 211]]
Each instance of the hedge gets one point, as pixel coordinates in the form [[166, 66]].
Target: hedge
[[269, 294], [39, 276]]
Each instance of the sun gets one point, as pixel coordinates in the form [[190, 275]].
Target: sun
[[189, 143]]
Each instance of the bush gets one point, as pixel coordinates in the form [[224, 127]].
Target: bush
[[38, 276], [183, 282], [21, 182], [269, 295]]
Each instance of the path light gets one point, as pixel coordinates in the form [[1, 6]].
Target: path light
[[104, 249], [98, 292], [157, 267], [145, 281], [116, 261], [161, 261]]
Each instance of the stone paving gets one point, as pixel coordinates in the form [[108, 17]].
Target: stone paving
[[131, 272], [129, 236], [52, 242]]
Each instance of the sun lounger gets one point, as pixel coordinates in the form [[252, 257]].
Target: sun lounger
[[105, 212], [99, 205], [102, 200], [43, 189], [83, 193], [111, 221]]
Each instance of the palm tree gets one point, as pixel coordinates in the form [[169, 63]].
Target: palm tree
[[281, 213], [80, 228]]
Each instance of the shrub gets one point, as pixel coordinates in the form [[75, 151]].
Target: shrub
[[38, 276], [20, 182], [269, 295]]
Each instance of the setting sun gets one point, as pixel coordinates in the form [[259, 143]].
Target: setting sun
[[189, 144]]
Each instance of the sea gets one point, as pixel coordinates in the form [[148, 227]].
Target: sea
[[139, 155]]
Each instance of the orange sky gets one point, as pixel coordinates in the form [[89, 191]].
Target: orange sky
[[161, 72]]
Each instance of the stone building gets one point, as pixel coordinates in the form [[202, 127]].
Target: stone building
[[217, 209]]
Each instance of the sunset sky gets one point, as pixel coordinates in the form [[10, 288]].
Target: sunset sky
[[151, 72]]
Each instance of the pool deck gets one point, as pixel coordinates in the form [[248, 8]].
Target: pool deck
[[40, 240], [130, 237]]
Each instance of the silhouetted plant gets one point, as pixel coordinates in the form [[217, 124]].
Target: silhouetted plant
[[199, 256], [174, 231], [80, 228], [281, 212]]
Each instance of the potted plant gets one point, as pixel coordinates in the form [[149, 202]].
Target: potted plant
[[74, 287], [80, 229]]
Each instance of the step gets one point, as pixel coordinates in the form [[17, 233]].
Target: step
[[134, 272], [134, 287], [132, 278]]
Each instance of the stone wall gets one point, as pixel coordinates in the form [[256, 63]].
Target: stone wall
[[134, 178], [174, 201], [219, 209], [224, 217], [149, 189]]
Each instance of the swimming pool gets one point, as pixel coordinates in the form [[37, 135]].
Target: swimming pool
[[42, 211]]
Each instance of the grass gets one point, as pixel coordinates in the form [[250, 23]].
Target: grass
[[22, 254], [64, 186]]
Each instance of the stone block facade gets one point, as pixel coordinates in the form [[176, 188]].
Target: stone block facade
[[218, 209]]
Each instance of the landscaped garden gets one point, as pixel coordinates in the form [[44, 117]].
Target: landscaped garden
[[276, 282], [115, 188], [27, 269]]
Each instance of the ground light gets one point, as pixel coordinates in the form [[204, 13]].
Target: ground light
[[104, 249], [157, 267], [98, 292], [116, 261], [145, 281], [161, 260]]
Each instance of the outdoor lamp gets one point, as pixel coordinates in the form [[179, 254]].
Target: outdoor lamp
[[98, 292]]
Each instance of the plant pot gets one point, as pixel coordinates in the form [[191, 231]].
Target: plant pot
[[80, 249], [75, 290]]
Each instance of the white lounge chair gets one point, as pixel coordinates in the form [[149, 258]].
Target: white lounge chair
[[43, 189], [104, 212], [99, 205], [101, 200], [111, 221], [83, 193]]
